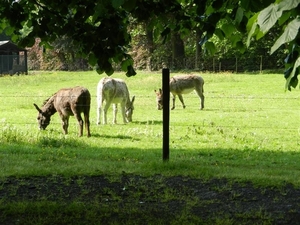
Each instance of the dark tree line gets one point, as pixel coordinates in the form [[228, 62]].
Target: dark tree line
[[179, 53]]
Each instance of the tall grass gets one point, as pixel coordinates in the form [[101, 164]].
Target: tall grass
[[249, 130]]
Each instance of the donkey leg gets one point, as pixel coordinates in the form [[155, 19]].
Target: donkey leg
[[99, 110], [123, 114], [87, 123], [199, 92], [80, 122], [65, 124], [181, 100], [173, 100], [105, 109], [115, 111]]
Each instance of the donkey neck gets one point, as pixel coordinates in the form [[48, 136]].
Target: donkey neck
[[49, 107], [128, 102]]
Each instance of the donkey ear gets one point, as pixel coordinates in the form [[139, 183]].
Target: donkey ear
[[133, 98], [160, 91], [157, 92], [37, 108]]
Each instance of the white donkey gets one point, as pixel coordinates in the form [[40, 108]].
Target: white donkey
[[114, 91], [182, 84]]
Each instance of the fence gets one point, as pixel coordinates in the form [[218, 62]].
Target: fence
[[233, 64], [243, 102]]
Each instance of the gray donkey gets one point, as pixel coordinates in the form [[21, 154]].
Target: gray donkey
[[114, 91], [182, 84], [67, 102]]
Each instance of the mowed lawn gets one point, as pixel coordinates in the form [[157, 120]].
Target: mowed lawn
[[248, 131]]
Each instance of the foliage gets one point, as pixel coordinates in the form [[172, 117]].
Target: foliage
[[100, 28], [286, 13]]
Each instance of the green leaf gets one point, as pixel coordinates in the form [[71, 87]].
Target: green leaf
[[245, 4], [130, 71], [239, 15], [288, 4], [92, 59], [288, 35], [284, 18], [109, 71], [228, 29], [235, 39], [219, 33], [268, 17], [251, 22], [294, 82], [289, 78], [251, 28], [129, 5], [240, 46], [126, 63], [117, 3], [210, 48]]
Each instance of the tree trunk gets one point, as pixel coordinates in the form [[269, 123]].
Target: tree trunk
[[149, 46], [178, 53], [198, 49]]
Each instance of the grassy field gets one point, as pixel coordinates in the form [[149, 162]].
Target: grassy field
[[235, 162], [249, 130]]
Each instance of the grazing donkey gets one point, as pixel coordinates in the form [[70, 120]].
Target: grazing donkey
[[67, 102], [114, 91], [183, 84]]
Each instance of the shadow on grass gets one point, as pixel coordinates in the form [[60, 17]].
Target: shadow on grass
[[134, 199], [148, 122], [119, 136]]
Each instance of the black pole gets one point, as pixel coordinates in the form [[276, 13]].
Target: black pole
[[166, 112]]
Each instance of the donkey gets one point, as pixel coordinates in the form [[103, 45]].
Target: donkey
[[114, 91], [67, 102], [182, 84]]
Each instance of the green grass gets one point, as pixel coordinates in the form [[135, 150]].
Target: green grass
[[249, 130]]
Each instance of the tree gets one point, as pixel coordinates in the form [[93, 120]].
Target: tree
[[100, 27]]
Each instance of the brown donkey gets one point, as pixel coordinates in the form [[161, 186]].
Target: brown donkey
[[67, 102]]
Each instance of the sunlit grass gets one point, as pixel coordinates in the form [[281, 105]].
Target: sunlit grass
[[248, 131]]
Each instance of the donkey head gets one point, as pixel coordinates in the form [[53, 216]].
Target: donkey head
[[159, 99], [129, 110], [43, 118]]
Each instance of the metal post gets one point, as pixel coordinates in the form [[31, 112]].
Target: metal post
[[166, 112], [236, 64], [261, 62], [25, 59]]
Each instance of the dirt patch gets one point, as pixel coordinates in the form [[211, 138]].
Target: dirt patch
[[169, 200]]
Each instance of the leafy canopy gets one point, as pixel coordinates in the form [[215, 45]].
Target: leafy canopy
[[286, 14], [100, 28]]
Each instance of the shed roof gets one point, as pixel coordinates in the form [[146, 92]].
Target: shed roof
[[8, 46]]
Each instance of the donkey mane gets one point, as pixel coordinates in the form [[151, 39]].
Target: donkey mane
[[48, 105], [47, 100]]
